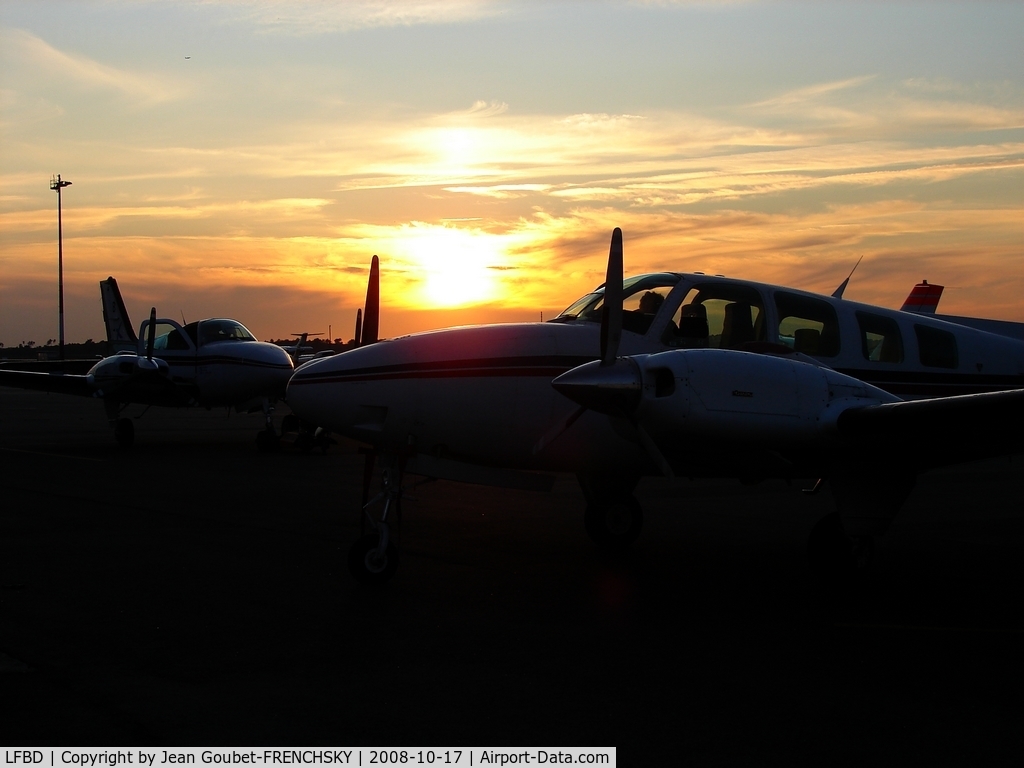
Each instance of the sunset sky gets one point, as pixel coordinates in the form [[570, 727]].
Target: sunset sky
[[246, 159]]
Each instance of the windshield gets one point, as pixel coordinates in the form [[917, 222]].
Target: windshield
[[643, 296], [223, 330]]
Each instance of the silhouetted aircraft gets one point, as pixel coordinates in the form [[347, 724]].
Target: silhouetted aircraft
[[209, 363], [677, 374]]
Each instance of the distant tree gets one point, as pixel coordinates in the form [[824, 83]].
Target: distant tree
[[30, 344]]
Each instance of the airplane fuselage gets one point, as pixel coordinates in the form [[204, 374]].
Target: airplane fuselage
[[196, 371], [483, 393]]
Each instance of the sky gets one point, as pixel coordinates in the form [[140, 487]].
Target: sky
[[246, 158]]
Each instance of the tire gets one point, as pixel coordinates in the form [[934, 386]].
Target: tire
[[615, 523], [364, 565]]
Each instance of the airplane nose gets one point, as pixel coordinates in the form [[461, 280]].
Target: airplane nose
[[610, 389]]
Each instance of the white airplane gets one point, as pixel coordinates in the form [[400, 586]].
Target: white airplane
[[209, 363], [678, 374]]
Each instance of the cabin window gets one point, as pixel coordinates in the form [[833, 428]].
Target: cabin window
[[720, 315], [807, 324], [880, 339], [936, 347]]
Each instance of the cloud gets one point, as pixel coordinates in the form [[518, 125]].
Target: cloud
[[25, 49], [300, 17]]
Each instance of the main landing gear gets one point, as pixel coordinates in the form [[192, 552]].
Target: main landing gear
[[124, 428], [841, 543], [267, 439]]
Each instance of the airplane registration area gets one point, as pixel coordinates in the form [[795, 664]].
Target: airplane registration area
[[194, 590]]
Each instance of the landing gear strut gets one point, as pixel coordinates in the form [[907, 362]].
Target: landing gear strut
[[267, 440], [373, 559]]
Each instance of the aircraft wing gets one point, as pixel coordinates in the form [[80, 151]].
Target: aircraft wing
[[940, 431], [64, 383]]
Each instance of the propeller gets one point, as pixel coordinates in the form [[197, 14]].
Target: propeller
[[611, 385], [147, 365], [371, 316], [611, 312]]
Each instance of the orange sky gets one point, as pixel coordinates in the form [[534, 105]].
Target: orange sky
[[485, 151]]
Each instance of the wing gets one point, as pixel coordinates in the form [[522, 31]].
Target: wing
[[940, 431], [64, 383]]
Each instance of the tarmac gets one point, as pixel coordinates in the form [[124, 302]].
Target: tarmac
[[194, 592]]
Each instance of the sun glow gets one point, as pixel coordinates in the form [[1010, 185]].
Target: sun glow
[[456, 267]]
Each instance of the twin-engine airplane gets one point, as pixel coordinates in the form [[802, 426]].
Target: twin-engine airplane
[[209, 363], [695, 376]]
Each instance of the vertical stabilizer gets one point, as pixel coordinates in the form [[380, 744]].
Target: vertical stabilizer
[[120, 335], [923, 299]]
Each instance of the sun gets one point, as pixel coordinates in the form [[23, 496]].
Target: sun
[[456, 266]]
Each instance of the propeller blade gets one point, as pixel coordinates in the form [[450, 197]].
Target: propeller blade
[[359, 326], [151, 336], [611, 313], [555, 432], [652, 450], [371, 315]]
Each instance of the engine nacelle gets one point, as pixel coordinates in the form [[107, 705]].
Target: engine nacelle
[[731, 394], [722, 394]]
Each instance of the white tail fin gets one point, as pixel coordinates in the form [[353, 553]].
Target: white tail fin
[[120, 334]]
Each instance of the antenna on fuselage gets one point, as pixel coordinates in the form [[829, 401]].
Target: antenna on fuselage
[[838, 292]]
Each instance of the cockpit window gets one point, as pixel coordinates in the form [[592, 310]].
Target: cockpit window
[[223, 330], [643, 296], [723, 315]]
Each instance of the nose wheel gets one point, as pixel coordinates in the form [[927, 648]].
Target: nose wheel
[[369, 562]]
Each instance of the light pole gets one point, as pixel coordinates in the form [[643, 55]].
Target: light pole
[[58, 185]]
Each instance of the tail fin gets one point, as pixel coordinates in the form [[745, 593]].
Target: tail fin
[[923, 299], [120, 334]]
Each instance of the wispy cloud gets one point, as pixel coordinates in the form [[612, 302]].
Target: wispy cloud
[[25, 49], [305, 17]]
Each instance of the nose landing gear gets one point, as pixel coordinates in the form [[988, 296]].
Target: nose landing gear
[[373, 559]]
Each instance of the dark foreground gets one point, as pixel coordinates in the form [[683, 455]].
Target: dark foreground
[[194, 592]]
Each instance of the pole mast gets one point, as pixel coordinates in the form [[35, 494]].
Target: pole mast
[[58, 185]]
